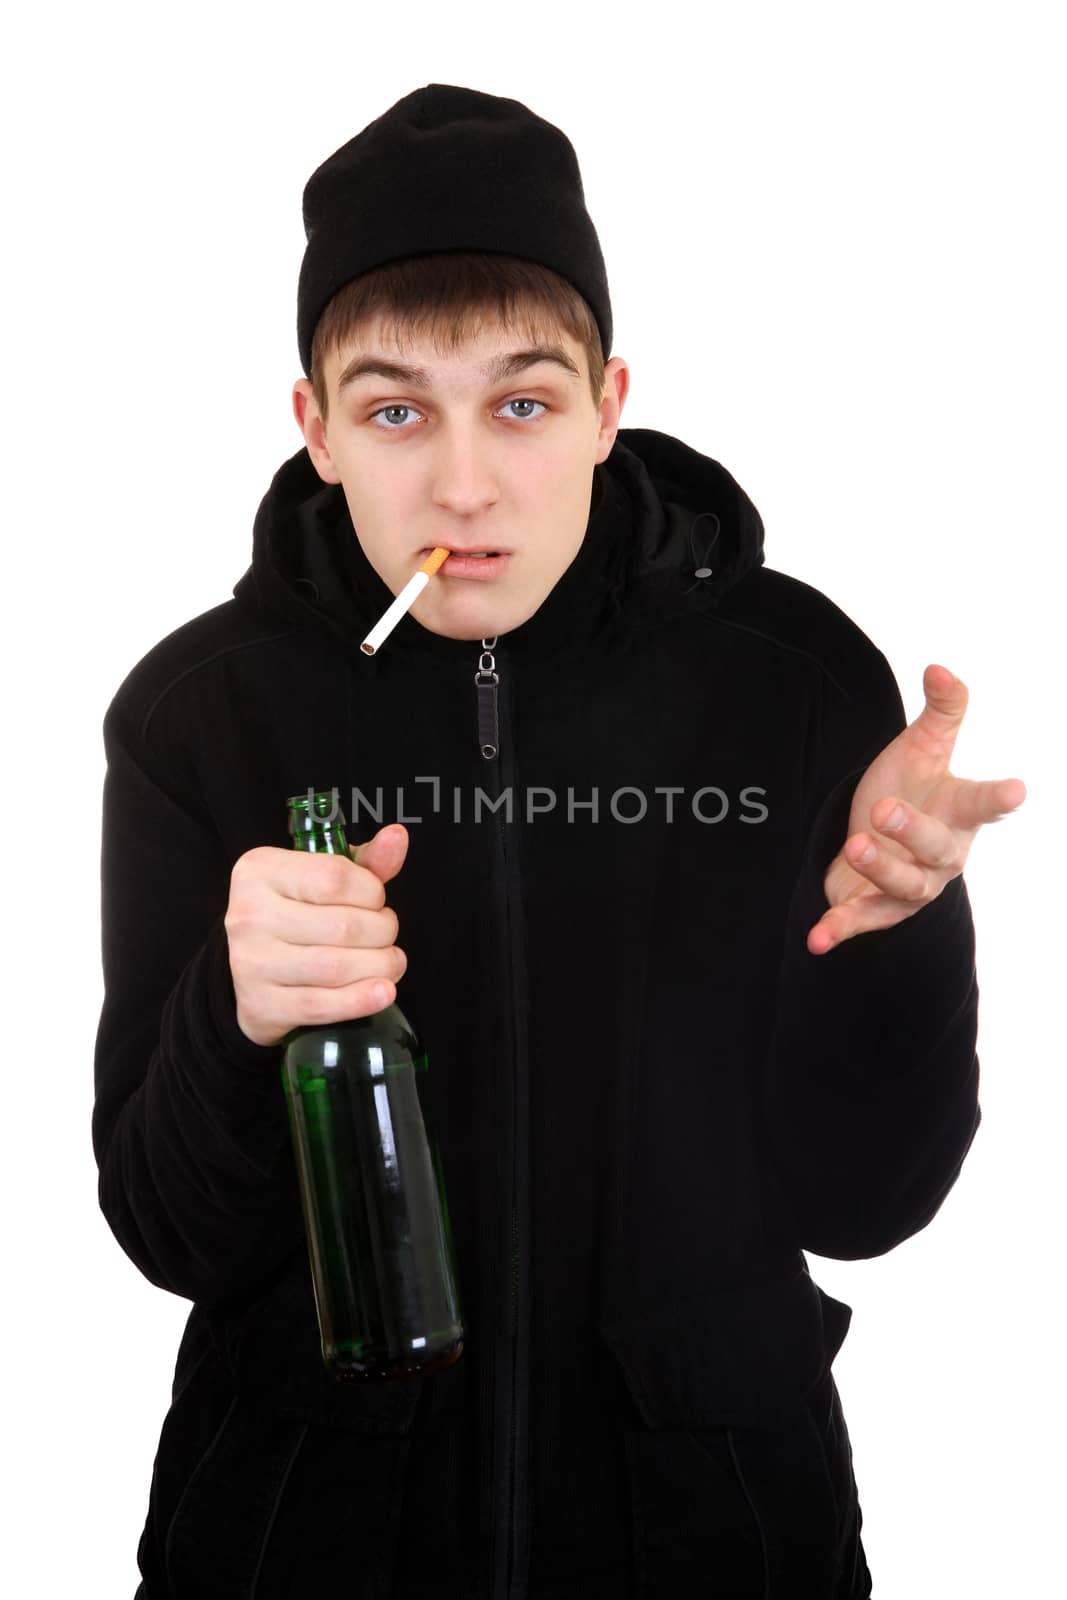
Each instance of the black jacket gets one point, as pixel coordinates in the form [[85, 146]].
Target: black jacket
[[649, 1097]]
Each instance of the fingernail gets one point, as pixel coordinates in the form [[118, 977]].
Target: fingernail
[[894, 820], [867, 855]]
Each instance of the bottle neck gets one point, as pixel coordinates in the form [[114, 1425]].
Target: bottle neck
[[317, 825]]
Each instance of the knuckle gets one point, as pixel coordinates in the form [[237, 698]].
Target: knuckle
[[238, 921], [240, 869], [250, 864], [328, 966], [241, 966], [334, 875], [372, 890], [248, 1020], [313, 1007], [339, 928]]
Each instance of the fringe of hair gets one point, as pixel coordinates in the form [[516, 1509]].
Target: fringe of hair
[[455, 291]]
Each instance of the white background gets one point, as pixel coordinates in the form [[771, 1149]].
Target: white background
[[834, 243]]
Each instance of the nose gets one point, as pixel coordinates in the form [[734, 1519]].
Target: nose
[[464, 479]]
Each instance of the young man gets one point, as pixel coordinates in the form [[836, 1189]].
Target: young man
[[617, 782]]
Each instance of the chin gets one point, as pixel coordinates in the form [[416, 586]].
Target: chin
[[481, 621], [453, 629]]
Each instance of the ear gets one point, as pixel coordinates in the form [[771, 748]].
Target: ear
[[616, 388], [309, 421]]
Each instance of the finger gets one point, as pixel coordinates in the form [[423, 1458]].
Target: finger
[[866, 913], [344, 926], [329, 967], [302, 875], [938, 723], [311, 1008], [894, 875], [342, 1005], [385, 854], [931, 841], [976, 802]]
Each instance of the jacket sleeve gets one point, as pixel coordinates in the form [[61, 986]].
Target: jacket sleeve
[[869, 1101], [190, 1128]]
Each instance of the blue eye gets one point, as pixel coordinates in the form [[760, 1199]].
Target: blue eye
[[386, 410], [391, 427], [526, 403]]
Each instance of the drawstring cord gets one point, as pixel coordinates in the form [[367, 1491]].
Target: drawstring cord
[[702, 571]]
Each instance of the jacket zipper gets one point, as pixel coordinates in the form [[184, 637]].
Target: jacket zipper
[[510, 1533], [486, 680]]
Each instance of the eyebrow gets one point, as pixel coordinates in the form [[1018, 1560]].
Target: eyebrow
[[505, 366]]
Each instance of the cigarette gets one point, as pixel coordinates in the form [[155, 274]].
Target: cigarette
[[404, 600]]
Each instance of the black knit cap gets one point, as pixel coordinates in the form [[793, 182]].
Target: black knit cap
[[448, 169]]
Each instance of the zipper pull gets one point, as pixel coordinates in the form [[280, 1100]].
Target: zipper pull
[[485, 680]]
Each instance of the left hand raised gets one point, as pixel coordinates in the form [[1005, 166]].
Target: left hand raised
[[884, 874]]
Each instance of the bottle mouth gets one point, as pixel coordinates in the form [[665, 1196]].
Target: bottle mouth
[[313, 808], [313, 799]]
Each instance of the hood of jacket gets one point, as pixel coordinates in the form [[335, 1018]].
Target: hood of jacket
[[670, 531]]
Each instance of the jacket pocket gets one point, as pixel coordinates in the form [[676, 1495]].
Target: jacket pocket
[[694, 1530], [222, 1521], [728, 1475], [265, 1461], [277, 1505], [745, 1355]]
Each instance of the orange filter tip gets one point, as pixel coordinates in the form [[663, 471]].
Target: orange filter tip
[[435, 559]]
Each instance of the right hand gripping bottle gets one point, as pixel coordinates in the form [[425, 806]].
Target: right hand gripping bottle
[[372, 1190]]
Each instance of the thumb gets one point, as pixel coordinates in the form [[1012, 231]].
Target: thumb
[[384, 855], [946, 705]]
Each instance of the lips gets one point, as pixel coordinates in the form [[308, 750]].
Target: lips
[[470, 550], [467, 564]]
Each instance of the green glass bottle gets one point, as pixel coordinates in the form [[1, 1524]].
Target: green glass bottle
[[373, 1195]]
